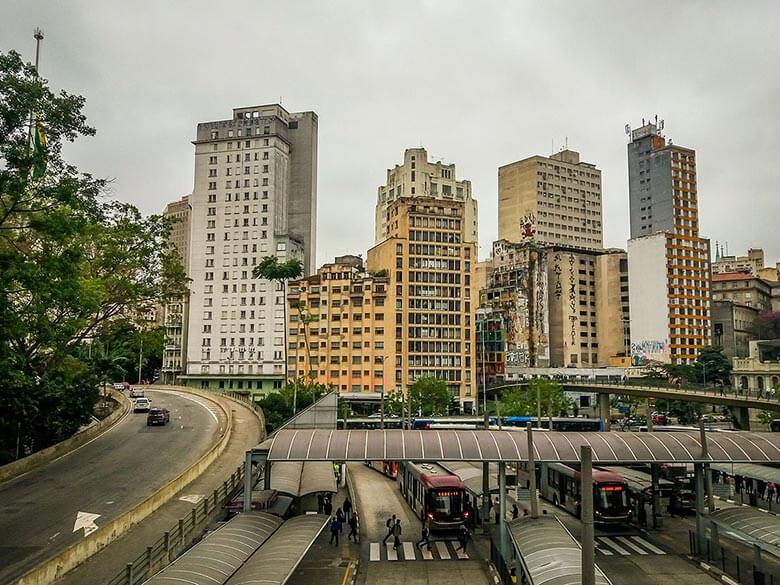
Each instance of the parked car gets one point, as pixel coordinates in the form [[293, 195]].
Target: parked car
[[660, 418], [136, 392], [142, 405], [118, 385], [158, 416]]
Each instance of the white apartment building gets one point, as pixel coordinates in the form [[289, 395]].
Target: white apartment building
[[255, 195]]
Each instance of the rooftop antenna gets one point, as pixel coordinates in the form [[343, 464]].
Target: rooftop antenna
[[38, 36], [552, 146], [567, 142]]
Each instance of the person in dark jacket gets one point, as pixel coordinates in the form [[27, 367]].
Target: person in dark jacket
[[353, 527], [335, 529], [426, 536], [347, 507], [397, 534], [390, 524], [463, 538]]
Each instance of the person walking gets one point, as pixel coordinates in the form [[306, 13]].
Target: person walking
[[463, 539], [347, 507], [770, 492], [353, 526], [397, 534], [515, 512], [335, 528], [327, 507], [340, 515], [320, 503], [426, 536], [390, 524]]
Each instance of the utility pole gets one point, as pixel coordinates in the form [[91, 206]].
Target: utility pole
[[140, 357]]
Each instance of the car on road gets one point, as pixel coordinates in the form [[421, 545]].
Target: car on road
[[158, 416], [136, 392], [118, 385], [142, 405]]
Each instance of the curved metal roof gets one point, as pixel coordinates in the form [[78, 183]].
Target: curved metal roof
[[217, 557], [286, 477], [761, 472], [755, 525], [487, 445], [548, 552], [471, 475], [277, 559], [299, 479]]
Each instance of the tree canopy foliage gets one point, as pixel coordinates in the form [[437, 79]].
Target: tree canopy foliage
[[72, 262], [278, 406], [429, 396], [523, 402]]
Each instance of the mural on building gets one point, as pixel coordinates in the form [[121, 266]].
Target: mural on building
[[647, 351]]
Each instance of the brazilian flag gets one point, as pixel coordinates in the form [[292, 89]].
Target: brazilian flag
[[38, 148]]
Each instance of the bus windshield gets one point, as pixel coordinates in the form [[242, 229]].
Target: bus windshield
[[446, 503], [611, 497]]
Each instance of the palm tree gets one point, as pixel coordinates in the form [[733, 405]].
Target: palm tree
[[270, 268]]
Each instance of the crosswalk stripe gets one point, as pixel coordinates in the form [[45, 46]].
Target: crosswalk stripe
[[427, 554], [631, 545], [604, 551], [461, 554], [442, 548], [392, 554], [614, 545], [374, 554], [409, 552], [648, 545]]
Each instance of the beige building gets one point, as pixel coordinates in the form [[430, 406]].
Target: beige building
[[743, 289], [176, 310], [339, 327], [559, 196], [417, 177], [760, 371], [750, 264], [429, 255]]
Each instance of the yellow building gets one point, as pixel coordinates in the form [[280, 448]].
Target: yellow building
[[430, 257], [339, 324]]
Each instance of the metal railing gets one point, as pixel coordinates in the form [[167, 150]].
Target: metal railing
[[182, 535], [738, 567]]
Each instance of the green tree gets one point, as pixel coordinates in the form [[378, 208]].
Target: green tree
[[712, 366], [305, 318], [551, 398], [271, 269], [70, 262], [429, 396]]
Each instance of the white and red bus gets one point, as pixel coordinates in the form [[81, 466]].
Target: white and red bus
[[433, 493], [561, 485], [388, 468]]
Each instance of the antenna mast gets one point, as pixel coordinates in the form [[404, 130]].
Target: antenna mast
[[38, 36]]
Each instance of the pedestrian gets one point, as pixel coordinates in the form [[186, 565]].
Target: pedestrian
[[525, 511], [347, 506], [463, 539], [397, 534], [320, 503], [389, 524], [353, 526], [426, 536], [335, 528], [327, 506], [497, 508], [770, 491], [515, 512], [761, 488], [340, 514]]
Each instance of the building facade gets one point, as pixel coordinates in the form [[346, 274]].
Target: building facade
[[760, 370], [254, 196], [733, 327], [418, 177], [750, 264], [669, 263], [743, 289], [176, 310], [429, 255], [558, 196], [338, 332]]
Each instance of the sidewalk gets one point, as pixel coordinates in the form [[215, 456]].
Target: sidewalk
[[105, 565]]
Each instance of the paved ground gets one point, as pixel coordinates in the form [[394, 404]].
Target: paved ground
[[109, 562], [105, 477]]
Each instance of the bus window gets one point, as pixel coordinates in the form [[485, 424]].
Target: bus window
[[611, 496], [446, 503]]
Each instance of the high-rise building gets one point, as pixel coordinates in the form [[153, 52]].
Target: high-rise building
[[417, 177], [558, 196], [429, 255], [668, 262], [176, 309], [255, 195], [338, 333]]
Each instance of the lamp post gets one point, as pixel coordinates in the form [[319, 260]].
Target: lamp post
[[382, 359], [481, 329]]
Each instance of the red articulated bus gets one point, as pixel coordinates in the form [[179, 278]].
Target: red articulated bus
[[433, 493]]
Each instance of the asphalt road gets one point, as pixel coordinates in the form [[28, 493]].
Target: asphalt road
[[106, 477]]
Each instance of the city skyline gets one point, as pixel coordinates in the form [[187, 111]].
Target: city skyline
[[498, 107]]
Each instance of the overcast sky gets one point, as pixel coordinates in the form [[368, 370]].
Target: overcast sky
[[478, 84]]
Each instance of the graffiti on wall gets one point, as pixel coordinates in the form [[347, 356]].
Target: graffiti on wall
[[645, 351]]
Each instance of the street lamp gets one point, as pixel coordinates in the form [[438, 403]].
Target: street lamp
[[382, 359], [483, 313]]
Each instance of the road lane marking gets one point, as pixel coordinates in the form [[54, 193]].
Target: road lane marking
[[631, 545], [427, 554], [85, 520], [461, 554], [374, 554], [614, 545], [409, 552], [648, 545], [198, 402], [442, 549], [604, 551], [392, 554], [192, 498]]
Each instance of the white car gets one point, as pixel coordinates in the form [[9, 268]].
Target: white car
[[142, 405], [119, 385]]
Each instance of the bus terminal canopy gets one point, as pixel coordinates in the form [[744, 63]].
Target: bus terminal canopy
[[507, 446]]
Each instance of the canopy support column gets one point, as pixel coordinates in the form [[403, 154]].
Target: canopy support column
[[502, 527], [485, 497], [698, 476], [586, 512], [248, 481], [532, 471], [655, 471], [603, 400]]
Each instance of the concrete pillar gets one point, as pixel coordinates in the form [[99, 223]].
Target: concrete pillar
[[502, 528], [248, 482], [708, 487], [742, 414], [701, 541], [266, 475], [485, 497], [586, 512], [603, 399], [655, 471], [532, 471], [649, 417]]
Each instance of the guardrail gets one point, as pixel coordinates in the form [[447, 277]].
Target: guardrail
[[186, 532]]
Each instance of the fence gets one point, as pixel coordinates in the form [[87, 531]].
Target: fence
[[182, 535], [503, 570], [739, 567]]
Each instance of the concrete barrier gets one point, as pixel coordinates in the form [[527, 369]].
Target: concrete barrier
[[70, 558], [27, 464]]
